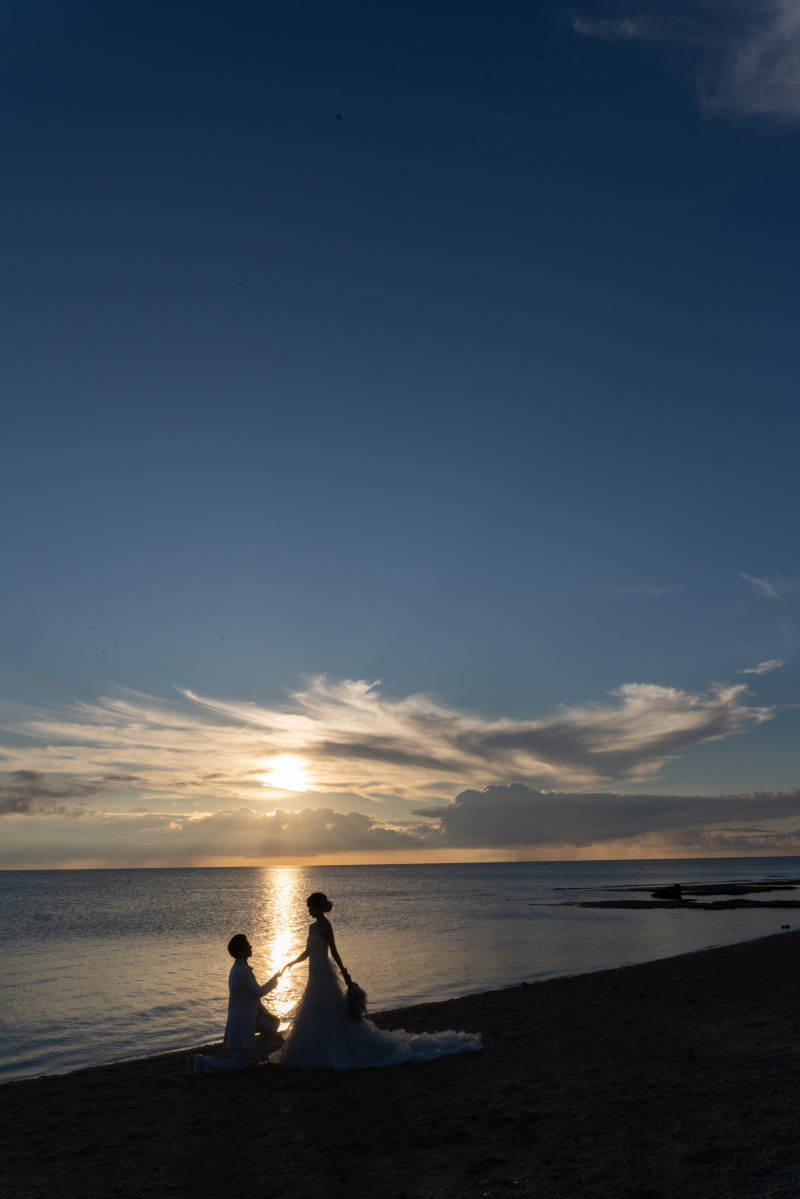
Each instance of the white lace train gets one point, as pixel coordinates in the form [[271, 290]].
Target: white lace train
[[323, 1037]]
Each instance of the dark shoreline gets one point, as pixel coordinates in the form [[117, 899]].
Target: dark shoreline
[[385, 1016], [674, 1079]]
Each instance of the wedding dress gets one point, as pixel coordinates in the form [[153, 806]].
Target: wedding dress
[[323, 1037]]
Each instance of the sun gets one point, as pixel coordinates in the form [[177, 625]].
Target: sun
[[286, 772]]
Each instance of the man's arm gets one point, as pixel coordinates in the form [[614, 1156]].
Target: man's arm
[[246, 980], [270, 985]]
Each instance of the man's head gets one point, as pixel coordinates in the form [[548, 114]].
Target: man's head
[[239, 946]]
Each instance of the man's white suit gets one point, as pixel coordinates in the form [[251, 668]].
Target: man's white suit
[[246, 1012], [246, 1016]]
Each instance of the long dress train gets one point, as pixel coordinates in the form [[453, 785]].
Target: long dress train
[[323, 1037]]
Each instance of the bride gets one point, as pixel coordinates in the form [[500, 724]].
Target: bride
[[325, 1037]]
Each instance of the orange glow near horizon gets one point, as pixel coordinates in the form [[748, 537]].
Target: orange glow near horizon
[[391, 858]]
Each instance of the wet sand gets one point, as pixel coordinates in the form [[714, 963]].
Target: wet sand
[[670, 1080]]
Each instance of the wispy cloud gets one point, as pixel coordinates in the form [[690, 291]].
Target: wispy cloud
[[760, 72], [650, 23], [746, 57], [775, 587], [765, 586], [763, 667], [353, 738]]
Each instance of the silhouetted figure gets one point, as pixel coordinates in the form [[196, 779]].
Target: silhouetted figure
[[675, 891], [246, 1014], [330, 1030]]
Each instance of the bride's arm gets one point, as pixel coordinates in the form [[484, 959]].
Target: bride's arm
[[335, 953], [302, 958]]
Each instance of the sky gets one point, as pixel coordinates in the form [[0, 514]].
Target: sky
[[399, 448]]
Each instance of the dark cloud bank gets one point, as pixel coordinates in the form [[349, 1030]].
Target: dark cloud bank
[[513, 817], [29, 793], [503, 817], [518, 815]]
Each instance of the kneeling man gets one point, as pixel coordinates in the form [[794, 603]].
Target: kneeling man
[[246, 1013]]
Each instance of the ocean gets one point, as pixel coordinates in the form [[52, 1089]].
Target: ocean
[[104, 965]]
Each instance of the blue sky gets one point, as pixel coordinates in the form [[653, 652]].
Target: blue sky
[[440, 346]]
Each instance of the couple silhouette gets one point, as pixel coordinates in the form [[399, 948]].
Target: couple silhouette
[[329, 1031]]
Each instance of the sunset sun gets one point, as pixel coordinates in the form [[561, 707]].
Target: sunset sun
[[286, 772]]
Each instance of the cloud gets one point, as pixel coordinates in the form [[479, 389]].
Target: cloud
[[518, 815], [627, 739], [532, 779], [312, 831], [353, 738], [29, 792], [760, 72], [159, 838], [763, 585], [655, 26], [763, 667], [733, 842], [504, 820], [745, 56], [777, 587]]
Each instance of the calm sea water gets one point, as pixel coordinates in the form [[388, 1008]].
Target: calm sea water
[[100, 965]]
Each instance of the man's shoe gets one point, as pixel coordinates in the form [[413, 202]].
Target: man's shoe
[[197, 1064]]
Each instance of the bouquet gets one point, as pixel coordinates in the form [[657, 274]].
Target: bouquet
[[356, 1001]]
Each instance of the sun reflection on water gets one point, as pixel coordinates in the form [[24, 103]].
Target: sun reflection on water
[[281, 936]]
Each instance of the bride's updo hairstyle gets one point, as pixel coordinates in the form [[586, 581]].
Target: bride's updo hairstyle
[[319, 900]]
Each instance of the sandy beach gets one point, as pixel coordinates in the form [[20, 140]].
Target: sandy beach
[[677, 1078]]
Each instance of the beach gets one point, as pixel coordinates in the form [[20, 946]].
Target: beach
[[673, 1078]]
